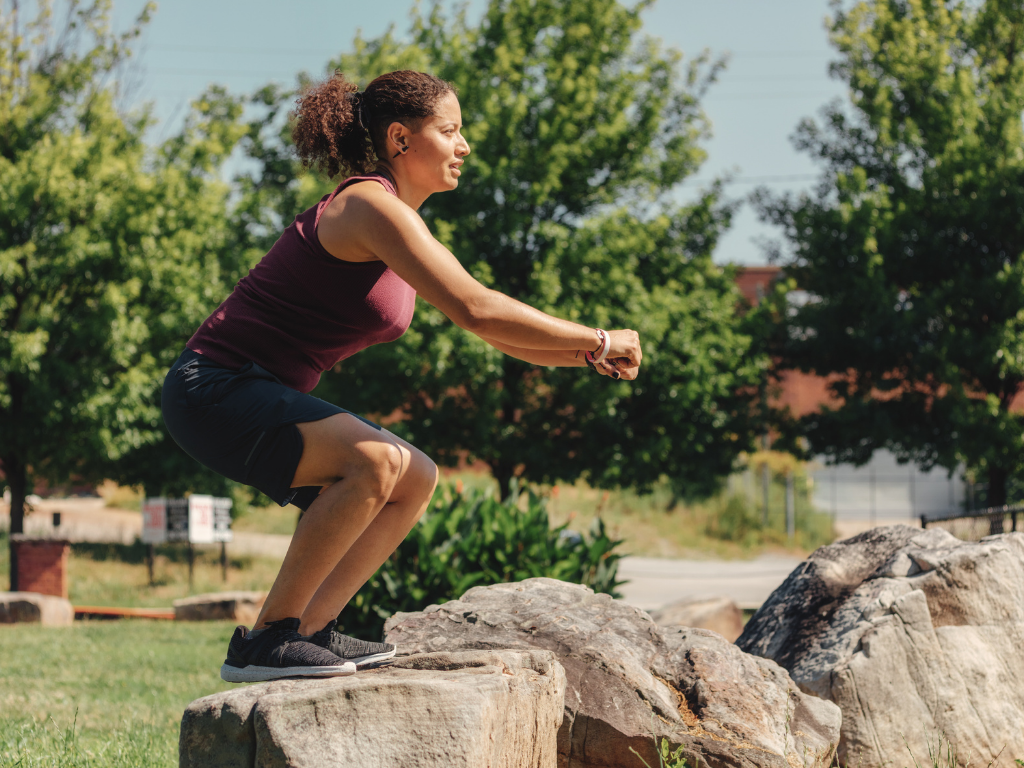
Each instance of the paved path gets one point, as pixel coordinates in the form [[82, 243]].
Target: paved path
[[654, 582]]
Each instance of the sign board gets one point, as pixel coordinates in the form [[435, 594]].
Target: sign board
[[154, 521], [199, 519], [177, 520], [221, 519]]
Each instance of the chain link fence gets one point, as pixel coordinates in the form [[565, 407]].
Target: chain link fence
[[974, 525]]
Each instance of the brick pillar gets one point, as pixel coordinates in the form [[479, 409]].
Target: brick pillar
[[42, 565]]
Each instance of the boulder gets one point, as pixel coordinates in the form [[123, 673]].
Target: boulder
[[630, 682], [33, 608], [914, 634], [241, 607], [719, 614], [438, 710]]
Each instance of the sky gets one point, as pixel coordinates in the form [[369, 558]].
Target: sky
[[777, 73]]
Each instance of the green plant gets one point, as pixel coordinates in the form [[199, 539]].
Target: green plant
[[674, 759], [737, 521], [471, 538]]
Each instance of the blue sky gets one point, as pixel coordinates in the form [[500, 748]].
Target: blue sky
[[777, 73]]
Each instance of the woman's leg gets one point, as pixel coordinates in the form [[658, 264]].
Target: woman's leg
[[408, 502], [377, 487]]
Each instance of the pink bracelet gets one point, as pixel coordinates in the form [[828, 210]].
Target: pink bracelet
[[606, 343]]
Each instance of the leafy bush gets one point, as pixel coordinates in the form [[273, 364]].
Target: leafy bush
[[468, 539], [737, 521]]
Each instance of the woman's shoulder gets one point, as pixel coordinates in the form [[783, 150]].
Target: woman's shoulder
[[358, 185], [361, 218]]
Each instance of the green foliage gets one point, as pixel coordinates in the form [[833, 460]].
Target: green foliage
[[667, 758], [911, 248], [737, 521], [110, 255], [581, 129], [471, 539]]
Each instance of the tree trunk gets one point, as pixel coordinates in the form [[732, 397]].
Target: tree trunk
[[503, 468], [997, 478], [17, 481], [996, 497], [503, 473]]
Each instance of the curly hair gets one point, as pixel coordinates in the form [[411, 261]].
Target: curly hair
[[339, 130]]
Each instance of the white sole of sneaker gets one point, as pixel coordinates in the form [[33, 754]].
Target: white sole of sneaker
[[255, 674], [373, 658]]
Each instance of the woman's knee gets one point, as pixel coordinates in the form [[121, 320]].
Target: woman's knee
[[419, 480], [380, 467]]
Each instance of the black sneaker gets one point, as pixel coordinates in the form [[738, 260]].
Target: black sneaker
[[359, 652], [279, 651]]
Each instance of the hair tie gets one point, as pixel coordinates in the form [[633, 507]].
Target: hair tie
[[356, 99]]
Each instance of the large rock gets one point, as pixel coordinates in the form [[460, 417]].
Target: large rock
[[913, 634], [33, 608], [631, 682], [443, 710], [719, 614], [242, 607]]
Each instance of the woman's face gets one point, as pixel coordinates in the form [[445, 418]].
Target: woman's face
[[436, 151]]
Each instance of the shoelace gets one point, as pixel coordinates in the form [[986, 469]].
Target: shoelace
[[350, 645]]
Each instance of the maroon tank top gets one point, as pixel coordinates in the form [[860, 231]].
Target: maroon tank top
[[300, 310]]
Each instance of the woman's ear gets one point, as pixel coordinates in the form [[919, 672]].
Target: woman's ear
[[398, 139]]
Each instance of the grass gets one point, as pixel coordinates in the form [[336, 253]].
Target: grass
[[103, 693], [116, 574], [268, 519]]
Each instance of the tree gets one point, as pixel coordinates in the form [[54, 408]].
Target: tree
[[911, 246], [581, 131], [109, 254]]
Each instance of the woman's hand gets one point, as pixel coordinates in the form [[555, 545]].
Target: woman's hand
[[617, 368], [624, 355], [625, 344]]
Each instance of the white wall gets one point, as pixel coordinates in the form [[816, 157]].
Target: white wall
[[884, 489]]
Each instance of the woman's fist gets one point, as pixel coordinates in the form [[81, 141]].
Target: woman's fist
[[624, 355]]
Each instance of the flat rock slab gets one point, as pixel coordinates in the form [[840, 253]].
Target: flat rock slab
[[243, 607], [33, 608], [499, 709], [913, 634], [630, 682], [719, 614]]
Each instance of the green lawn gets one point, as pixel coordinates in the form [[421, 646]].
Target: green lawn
[[107, 693]]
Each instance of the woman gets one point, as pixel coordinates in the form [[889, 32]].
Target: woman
[[344, 276]]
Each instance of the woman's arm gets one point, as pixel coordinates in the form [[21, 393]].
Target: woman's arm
[[566, 359], [365, 219], [559, 358]]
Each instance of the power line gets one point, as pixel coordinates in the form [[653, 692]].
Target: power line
[[797, 95], [793, 177], [336, 51]]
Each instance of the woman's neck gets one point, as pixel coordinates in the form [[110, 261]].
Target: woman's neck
[[407, 191]]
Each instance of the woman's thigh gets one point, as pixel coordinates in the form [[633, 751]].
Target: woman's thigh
[[343, 445]]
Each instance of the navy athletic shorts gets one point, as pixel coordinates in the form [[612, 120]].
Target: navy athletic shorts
[[241, 423]]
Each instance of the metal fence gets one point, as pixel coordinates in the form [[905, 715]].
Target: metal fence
[[976, 524], [886, 491]]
